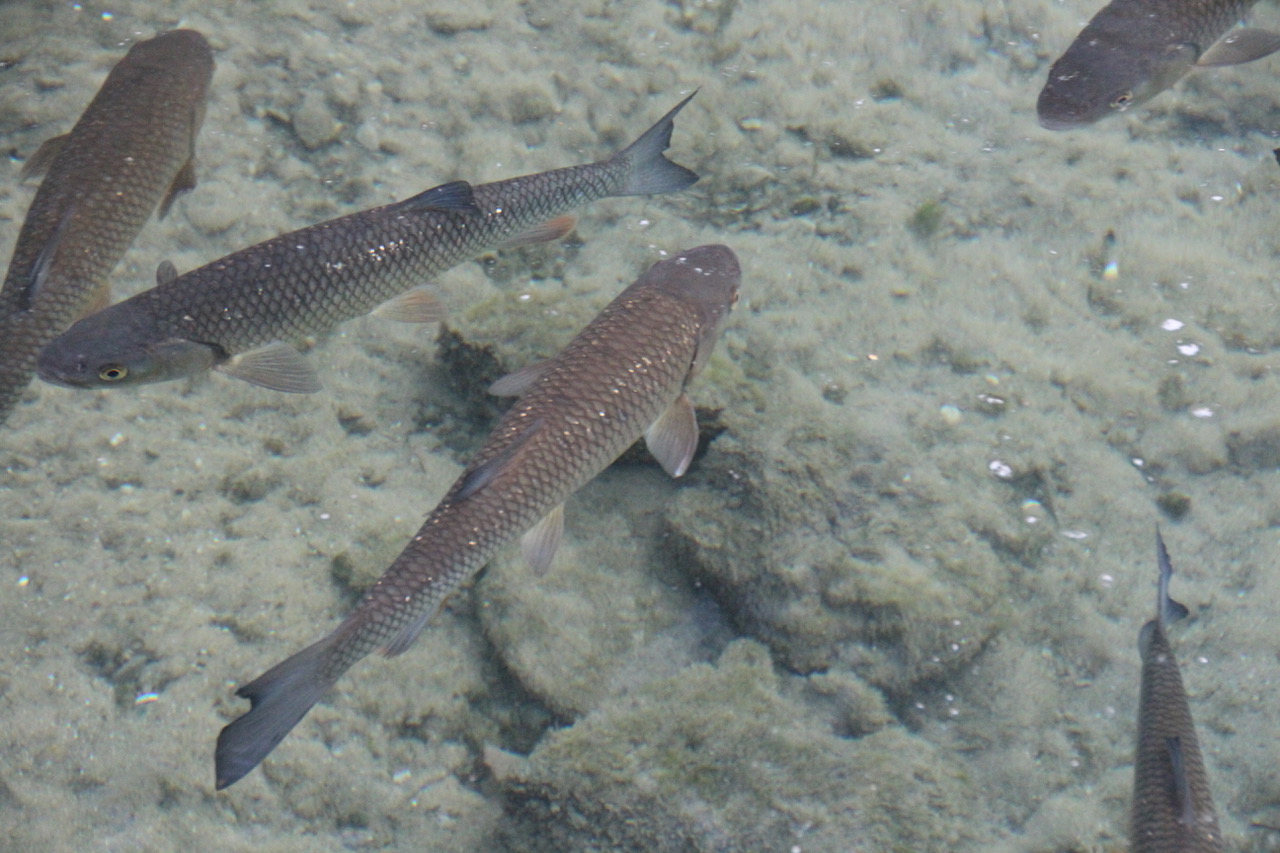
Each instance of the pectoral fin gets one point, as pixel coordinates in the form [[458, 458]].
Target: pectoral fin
[[413, 306], [673, 437], [277, 366], [543, 232], [539, 545], [38, 163], [517, 383], [183, 181], [99, 299], [1239, 46]]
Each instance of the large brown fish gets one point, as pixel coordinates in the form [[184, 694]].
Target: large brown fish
[[238, 314], [1133, 50], [622, 376], [132, 150], [1172, 807]]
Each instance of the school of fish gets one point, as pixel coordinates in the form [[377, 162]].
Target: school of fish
[[622, 378]]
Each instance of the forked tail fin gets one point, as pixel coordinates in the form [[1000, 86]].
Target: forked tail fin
[[651, 173], [281, 697]]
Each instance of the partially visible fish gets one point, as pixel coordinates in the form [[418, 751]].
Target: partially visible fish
[[133, 149], [1133, 50], [1172, 807], [624, 375], [238, 314]]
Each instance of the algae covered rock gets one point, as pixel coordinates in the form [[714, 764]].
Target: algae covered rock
[[716, 759], [820, 548]]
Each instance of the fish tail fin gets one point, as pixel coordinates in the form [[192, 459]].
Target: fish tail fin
[[280, 698], [649, 172]]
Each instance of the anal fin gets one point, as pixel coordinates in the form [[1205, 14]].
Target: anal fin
[[543, 232]]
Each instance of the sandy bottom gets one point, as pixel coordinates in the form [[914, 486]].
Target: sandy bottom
[[895, 605]]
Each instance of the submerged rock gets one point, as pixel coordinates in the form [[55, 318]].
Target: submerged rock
[[715, 759], [816, 547]]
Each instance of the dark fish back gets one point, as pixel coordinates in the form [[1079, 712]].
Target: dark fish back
[[111, 172], [579, 412], [552, 442], [310, 280], [1172, 806]]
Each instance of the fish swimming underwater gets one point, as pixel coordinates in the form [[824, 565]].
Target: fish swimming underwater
[[1133, 50], [624, 375], [1172, 807], [237, 314], [131, 150]]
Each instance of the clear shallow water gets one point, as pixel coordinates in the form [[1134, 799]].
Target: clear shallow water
[[896, 604]]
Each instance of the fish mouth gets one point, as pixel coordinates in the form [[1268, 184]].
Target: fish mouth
[[56, 373]]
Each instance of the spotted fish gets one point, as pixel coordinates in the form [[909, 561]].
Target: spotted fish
[[131, 150], [624, 375], [239, 314]]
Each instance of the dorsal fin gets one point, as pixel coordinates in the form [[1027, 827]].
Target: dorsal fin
[[484, 474], [39, 162], [166, 272], [453, 197]]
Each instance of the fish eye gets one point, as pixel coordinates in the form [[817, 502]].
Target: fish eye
[[113, 372], [1122, 100]]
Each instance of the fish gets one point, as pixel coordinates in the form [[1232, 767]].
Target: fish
[[1133, 50], [132, 150], [622, 376], [240, 314], [1172, 807]]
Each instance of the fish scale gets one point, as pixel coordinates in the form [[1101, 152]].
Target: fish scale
[[624, 372], [1164, 717], [308, 281], [114, 167], [581, 426]]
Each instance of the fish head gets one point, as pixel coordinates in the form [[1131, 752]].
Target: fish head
[[707, 278], [1100, 76], [121, 345]]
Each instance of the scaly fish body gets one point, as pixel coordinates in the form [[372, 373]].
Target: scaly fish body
[[1134, 49], [134, 142], [310, 280], [625, 372], [1172, 807]]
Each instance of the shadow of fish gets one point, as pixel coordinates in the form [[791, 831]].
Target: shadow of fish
[[1133, 50], [1172, 807], [237, 314], [131, 150], [624, 375]]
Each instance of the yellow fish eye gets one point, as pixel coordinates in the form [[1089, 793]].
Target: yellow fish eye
[[113, 373], [1122, 100]]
